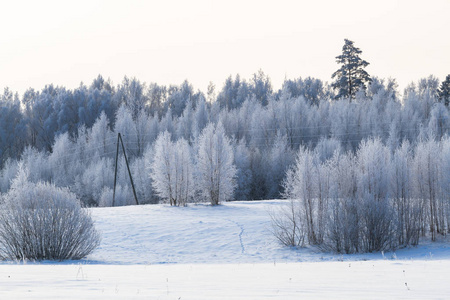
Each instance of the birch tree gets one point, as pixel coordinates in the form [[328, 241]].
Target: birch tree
[[216, 178]]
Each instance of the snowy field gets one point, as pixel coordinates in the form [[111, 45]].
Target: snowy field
[[225, 252]]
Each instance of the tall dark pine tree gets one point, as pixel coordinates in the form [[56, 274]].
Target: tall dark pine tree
[[444, 91], [351, 76]]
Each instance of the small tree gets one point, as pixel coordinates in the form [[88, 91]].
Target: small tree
[[172, 170], [300, 183], [161, 171], [351, 76], [44, 222], [217, 172], [184, 182], [375, 209]]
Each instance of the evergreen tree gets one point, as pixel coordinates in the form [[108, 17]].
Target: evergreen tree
[[351, 76], [444, 91]]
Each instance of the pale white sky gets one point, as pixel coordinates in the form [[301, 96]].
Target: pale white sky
[[66, 42]]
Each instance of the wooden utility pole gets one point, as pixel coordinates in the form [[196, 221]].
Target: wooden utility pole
[[119, 139]]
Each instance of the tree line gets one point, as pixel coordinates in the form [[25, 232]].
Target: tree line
[[68, 137]]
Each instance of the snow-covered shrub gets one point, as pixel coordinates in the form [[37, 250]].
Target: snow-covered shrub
[[376, 199], [303, 182], [376, 212], [288, 226], [39, 221]]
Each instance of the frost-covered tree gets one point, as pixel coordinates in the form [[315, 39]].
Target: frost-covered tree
[[444, 91], [261, 87], [13, 128], [279, 158], [233, 93], [346, 123], [242, 160], [95, 177], [427, 166], [312, 89], [161, 170], [145, 134], [201, 117], [184, 168], [126, 126], [407, 207], [376, 214], [428, 85], [36, 162], [216, 171], [66, 105], [291, 119], [439, 122], [167, 123], [327, 147], [445, 177], [156, 95], [102, 137], [7, 174], [62, 160], [185, 126], [172, 170], [132, 94], [179, 96], [351, 76], [262, 126], [142, 181], [300, 183], [343, 224]]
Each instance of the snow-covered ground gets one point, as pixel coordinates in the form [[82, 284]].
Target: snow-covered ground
[[225, 252]]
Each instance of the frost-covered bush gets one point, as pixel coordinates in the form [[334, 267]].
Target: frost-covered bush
[[288, 226], [39, 221], [373, 200]]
